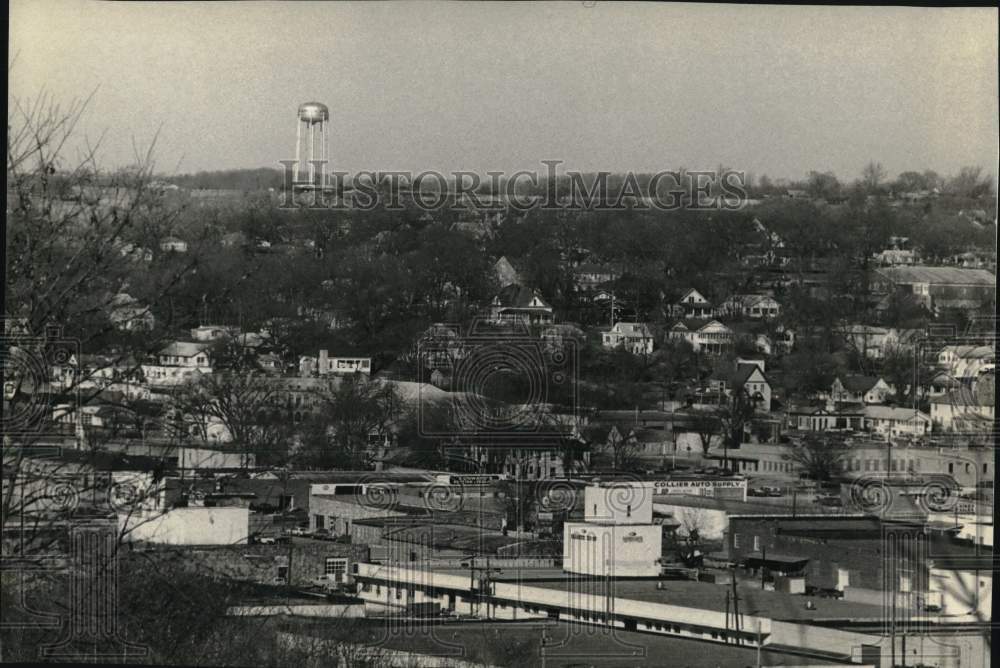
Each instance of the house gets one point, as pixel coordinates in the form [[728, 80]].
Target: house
[[939, 288], [326, 365], [849, 417], [967, 362], [751, 306], [516, 303], [710, 336], [694, 305], [971, 408], [173, 245], [507, 272], [178, 363], [128, 314], [894, 422], [866, 340], [748, 377], [634, 337], [895, 256], [858, 389], [213, 332], [588, 276]]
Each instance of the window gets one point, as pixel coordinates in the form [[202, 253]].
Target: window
[[335, 567], [628, 510], [756, 543], [736, 540]]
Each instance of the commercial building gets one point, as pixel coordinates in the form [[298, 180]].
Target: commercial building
[[617, 537]]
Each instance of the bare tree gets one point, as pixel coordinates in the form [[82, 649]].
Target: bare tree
[[349, 413], [72, 234], [820, 459]]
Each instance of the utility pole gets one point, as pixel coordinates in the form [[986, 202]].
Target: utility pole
[[763, 561]]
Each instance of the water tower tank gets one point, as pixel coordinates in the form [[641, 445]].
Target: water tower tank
[[313, 112]]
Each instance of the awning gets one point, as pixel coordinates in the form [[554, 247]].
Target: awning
[[777, 562]]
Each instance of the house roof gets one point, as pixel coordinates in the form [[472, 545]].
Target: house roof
[[695, 324], [185, 348], [982, 394], [894, 413], [694, 290], [743, 373], [518, 296], [858, 383], [939, 275], [639, 328], [593, 268]]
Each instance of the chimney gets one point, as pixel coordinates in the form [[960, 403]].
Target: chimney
[[323, 363]]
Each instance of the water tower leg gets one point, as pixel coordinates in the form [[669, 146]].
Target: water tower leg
[[298, 145]]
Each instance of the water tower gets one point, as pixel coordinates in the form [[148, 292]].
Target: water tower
[[311, 128]]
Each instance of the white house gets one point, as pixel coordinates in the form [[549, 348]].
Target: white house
[[967, 408], [893, 422], [516, 303], [694, 305], [866, 340], [966, 361], [634, 337], [752, 306], [128, 314], [179, 363], [709, 336], [860, 390], [213, 332]]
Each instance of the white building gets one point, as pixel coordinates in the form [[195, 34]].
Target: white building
[[704, 335], [634, 337], [967, 408], [327, 365], [893, 422], [178, 363], [617, 537], [752, 306]]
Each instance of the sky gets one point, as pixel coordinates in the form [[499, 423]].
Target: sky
[[494, 86]]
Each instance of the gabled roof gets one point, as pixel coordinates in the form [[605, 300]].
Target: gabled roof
[[518, 296], [743, 373], [858, 383], [696, 324], [695, 291], [640, 328]]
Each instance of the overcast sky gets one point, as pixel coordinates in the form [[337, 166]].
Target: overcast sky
[[447, 86]]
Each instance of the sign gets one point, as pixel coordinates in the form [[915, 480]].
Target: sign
[[667, 485], [469, 480]]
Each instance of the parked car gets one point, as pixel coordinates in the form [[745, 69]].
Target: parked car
[[267, 540], [756, 491], [830, 501], [299, 531], [321, 534], [774, 491]]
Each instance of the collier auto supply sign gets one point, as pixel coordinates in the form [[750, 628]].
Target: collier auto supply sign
[[719, 488]]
